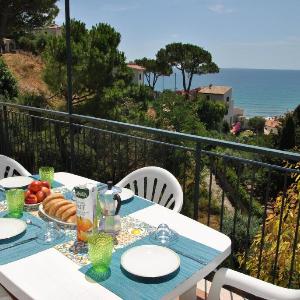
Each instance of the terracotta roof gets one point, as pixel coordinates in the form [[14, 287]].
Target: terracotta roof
[[214, 89], [136, 67], [272, 123]]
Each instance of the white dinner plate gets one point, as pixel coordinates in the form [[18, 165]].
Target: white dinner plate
[[58, 221], [150, 261], [16, 182], [126, 194], [10, 227]]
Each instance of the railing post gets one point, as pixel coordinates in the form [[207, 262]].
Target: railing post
[[197, 181], [69, 81], [4, 132]]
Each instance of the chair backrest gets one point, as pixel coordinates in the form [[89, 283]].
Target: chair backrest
[[155, 184], [10, 167], [250, 285]]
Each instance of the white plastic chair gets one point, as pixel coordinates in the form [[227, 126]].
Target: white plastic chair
[[10, 167], [155, 184], [249, 285]]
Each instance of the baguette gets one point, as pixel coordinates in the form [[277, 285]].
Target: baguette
[[62, 209], [51, 197], [68, 213], [50, 203], [72, 219], [56, 206]]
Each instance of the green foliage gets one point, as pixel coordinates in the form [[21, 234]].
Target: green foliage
[[287, 209], [175, 113], [96, 63], [225, 127], [26, 43], [23, 16], [189, 59], [154, 69], [287, 134], [8, 84], [257, 124], [31, 99], [211, 113], [296, 115], [240, 238]]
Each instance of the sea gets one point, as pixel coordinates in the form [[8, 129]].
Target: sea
[[259, 92]]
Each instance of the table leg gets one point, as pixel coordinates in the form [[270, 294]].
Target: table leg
[[190, 294]]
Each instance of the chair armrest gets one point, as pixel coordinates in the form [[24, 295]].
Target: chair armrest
[[250, 285]]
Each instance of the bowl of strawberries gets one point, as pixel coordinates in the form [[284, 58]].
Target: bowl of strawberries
[[36, 192]]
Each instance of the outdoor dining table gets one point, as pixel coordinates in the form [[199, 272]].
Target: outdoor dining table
[[51, 275]]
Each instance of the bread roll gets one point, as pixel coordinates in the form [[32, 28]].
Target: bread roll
[[50, 203], [72, 219], [62, 209], [51, 197], [68, 213], [56, 206]]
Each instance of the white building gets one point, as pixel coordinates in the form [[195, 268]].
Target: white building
[[138, 73], [220, 93]]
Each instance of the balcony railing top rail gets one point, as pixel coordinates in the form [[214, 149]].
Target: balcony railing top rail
[[284, 155]]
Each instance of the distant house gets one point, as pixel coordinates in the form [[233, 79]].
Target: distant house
[[138, 73], [53, 30], [219, 93], [271, 126], [8, 45]]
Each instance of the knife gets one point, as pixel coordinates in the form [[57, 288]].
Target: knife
[[199, 260], [19, 243]]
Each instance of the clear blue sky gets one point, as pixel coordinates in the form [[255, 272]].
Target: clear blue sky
[[238, 33]]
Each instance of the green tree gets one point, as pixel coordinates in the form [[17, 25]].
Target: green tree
[[154, 69], [175, 113], [211, 113], [25, 15], [287, 135], [257, 124], [8, 84], [296, 115], [189, 59], [96, 62], [225, 127]]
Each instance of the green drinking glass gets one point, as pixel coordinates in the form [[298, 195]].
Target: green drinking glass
[[100, 247], [47, 174], [15, 202]]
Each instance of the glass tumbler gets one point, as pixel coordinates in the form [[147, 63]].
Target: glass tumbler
[[15, 202], [47, 174], [100, 247]]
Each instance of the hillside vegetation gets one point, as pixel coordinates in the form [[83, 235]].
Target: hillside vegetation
[[27, 69]]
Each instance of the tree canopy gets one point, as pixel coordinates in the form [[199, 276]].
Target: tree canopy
[[211, 113], [25, 15], [154, 69], [189, 59], [257, 124], [287, 134], [96, 61]]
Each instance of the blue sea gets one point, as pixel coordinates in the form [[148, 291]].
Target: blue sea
[[259, 92]]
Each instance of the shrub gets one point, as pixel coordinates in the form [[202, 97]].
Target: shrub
[[286, 208], [8, 84]]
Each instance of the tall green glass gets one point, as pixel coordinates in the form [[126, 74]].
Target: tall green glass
[[100, 247], [47, 174], [15, 202]]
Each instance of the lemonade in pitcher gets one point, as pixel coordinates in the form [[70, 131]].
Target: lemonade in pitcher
[[85, 197]]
